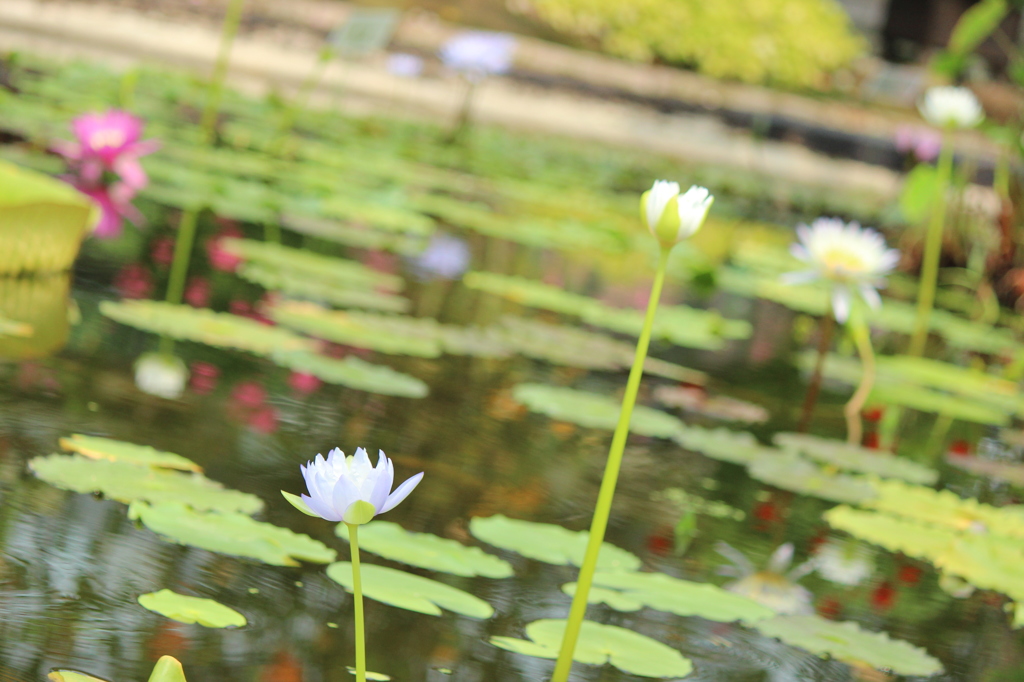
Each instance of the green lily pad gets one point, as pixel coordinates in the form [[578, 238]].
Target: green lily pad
[[593, 410], [849, 457], [353, 373], [681, 325], [392, 334], [234, 534], [186, 609], [332, 271], [127, 482], [789, 471], [298, 284], [1011, 472], [410, 592], [95, 447], [548, 543], [738, 447], [200, 325], [697, 401], [681, 597], [849, 643], [72, 676], [424, 550], [573, 347], [599, 644], [353, 235]]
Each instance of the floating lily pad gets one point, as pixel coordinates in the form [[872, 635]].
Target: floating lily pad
[[681, 597], [1011, 472], [204, 326], [127, 482], [686, 502], [332, 271], [945, 508], [548, 543], [234, 534], [410, 592], [849, 643], [738, 447], [353, 235], [850, 457], [186, 609], [563, 345], [424, 550], [370, 675], [681, 325], [593, 410], [599, 644], [392, 334], [95, 447], [791, 472], [353, 373], [72, 676], [697, 400], [298, 284]]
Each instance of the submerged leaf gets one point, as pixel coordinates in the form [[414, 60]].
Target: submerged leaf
[[424, 550], [593, 410], [234, 534], [681, 597], [548, 543], [599, 644], [410, 592], [95, 447], [185, 609], [849, 643], [127, 482], [204, 326], [353, 373], [851, 457]]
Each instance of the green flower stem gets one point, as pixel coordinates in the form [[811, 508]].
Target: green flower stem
[[357, 598], [932, 251], [862, 339], [611, 475], [182, 255], [828, 324], [229, 29]]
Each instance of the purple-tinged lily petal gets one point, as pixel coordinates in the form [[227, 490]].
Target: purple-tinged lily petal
[[401, 492]]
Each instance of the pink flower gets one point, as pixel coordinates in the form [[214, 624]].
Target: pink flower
[[219, 258], [303, 383], [249, 394], [163, 251], [108, 142], [197, 292], [204, 377], [925, 143], [134, 281], [264, 420], [115, 205]]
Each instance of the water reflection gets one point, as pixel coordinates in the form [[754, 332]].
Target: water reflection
[[40, 305]]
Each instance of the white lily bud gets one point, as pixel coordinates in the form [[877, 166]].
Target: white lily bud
[[951, 107], [670, 217], [161, 375]]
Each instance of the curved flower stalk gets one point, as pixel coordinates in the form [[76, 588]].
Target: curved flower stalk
[[352, 490], [949, 108], [855, 260], [671, 218]]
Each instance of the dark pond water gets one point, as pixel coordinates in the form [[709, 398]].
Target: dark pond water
[[72, 565]]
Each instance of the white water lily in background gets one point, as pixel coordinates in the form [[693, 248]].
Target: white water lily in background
[[852, 257], [671, 218], [476, 54], [161, 375], [773, 587], [846, 562], [951, 107], [350, 489]]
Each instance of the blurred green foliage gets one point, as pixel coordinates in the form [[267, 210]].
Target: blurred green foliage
[[793, 43]]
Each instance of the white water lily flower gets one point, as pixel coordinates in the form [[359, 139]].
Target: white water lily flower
[[846, 562], [850, 256], [161, 375], [775, 586], [350, 489], [951, 107], [671, 218]]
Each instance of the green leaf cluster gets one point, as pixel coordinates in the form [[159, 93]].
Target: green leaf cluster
[[593, 410]]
